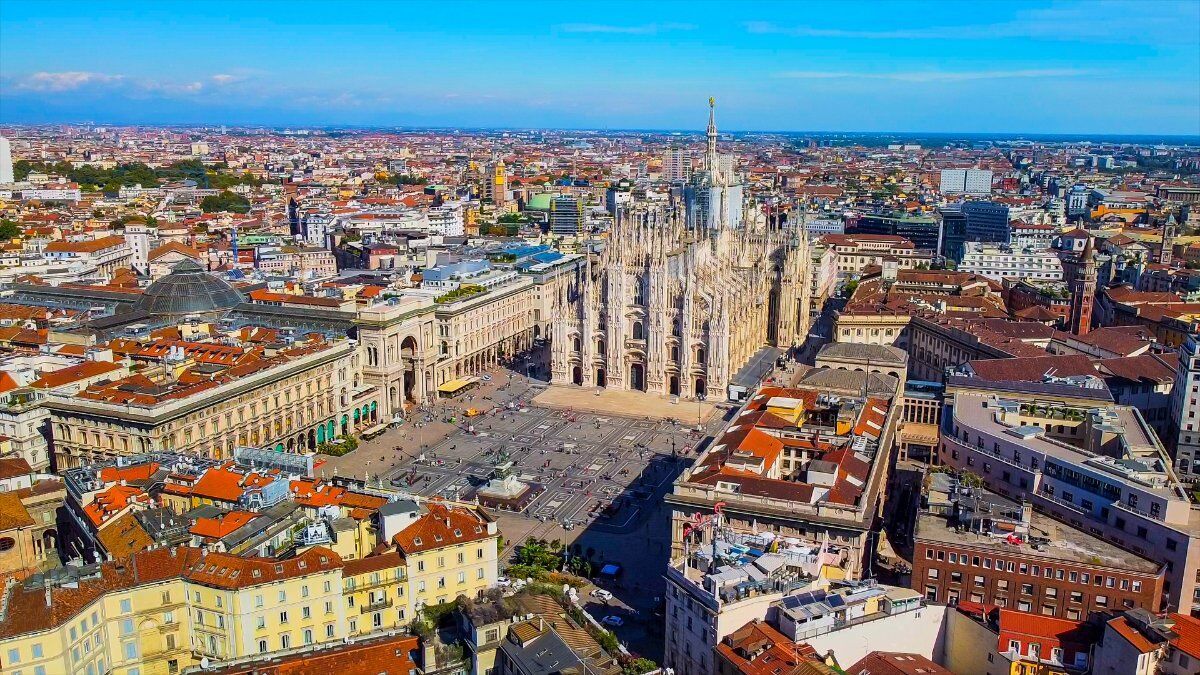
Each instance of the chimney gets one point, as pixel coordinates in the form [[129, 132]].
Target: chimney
[[1026, 512]]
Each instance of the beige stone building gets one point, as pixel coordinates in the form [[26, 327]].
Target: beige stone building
[[292, 400]]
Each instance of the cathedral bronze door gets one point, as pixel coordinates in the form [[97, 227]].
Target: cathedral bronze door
[[637, 377], [674, 385], [577, 375]]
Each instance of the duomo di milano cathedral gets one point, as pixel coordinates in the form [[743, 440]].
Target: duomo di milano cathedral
[[682, 297]]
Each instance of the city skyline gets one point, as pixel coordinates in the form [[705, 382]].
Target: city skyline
[[1036, 68]]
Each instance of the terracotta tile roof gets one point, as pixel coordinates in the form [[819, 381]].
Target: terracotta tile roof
[[92, 246], [442, 525], [136, 473], [759, 649], [223, 570], [1141, 368], [1131, 635], [172, 247], [75, 373], [373, 563], [111, 501], [1048, 631], [11, 467], [895, 663], [390, 655], [124, 536], [221, 526], [12, 512], [1188, 629], [1032, 369]]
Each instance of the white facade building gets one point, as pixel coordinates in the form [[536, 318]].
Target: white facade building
[[966, 181], [1002, 262], [447, 219], [6, 163]]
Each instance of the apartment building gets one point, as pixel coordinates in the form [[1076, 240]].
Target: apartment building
[[106, 254], [856, 252], [1081, 459], [999, 262], [987, 549]]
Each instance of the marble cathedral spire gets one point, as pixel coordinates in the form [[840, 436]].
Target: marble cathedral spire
[[711, 160]]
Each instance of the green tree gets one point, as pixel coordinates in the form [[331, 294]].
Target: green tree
[[9, 229], [638, 666], [225, 201]]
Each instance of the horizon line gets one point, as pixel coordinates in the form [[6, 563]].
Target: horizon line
[[690, 130]]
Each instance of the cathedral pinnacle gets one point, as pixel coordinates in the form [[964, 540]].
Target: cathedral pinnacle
[[710, 156]]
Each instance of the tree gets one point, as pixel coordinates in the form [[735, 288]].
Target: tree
[[638, 666], [9, 230], [225, 201]]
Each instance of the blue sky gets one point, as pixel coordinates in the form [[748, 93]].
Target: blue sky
[[955, 66]]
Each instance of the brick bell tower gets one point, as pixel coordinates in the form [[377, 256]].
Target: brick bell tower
[[1081, 279]]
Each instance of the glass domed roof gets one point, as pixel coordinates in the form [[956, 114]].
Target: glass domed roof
[[188, 289]]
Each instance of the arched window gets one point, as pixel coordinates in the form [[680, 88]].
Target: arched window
[[639, 333]]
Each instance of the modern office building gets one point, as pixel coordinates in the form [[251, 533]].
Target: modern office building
[[566, 215], [987, 221], [924, 232], [954, 231]]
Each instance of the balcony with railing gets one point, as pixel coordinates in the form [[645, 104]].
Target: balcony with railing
[[385, 603]]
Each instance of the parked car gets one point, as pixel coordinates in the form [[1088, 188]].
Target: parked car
[[503, 582], [602, 594], [614, 621]]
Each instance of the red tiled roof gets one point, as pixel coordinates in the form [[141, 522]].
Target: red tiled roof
[[1188, 629], [1131, 635], [442, 525], [221, 526]]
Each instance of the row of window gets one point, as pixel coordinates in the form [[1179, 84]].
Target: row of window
[[1047, 572]]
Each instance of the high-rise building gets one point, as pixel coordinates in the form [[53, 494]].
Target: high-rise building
[[566, 215], [954, 231], [677, 165], [966, 181], [6, 163], [987, 221]]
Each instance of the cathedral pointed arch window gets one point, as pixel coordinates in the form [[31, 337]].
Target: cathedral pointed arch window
[[639, 331], [639, 293]]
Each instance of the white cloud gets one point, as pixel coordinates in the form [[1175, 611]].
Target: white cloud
[[643, 29], [64, 81], [226, 78], [932, 75]]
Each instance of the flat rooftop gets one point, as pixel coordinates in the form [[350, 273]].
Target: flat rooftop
[[1066, 543]]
